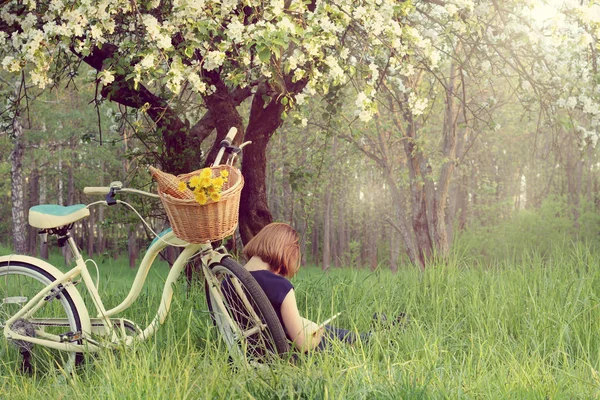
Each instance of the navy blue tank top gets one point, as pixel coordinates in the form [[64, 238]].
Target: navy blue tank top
[[276, 287]]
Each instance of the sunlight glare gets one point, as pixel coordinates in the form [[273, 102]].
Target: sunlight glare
[[543, 12]]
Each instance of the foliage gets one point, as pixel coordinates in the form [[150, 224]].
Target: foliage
[[178, 44], [364, 71]]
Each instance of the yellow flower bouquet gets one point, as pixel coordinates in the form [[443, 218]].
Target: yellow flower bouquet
[[205, 187]]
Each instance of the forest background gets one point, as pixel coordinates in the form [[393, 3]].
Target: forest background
[[454, 127]]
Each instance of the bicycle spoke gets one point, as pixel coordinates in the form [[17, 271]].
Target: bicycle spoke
[[252, 333], [51, 319]]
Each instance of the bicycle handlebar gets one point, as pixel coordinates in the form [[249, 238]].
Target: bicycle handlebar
[[96, 190], [118, 186], [103, 190], [229, 137], [225, 143]]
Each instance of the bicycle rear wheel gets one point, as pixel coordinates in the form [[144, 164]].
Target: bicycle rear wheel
[[19, 282], [243, 314]]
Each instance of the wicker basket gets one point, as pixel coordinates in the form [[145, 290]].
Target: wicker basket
[[197, 223]]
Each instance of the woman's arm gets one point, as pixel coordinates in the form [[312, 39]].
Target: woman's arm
[[305, 334]]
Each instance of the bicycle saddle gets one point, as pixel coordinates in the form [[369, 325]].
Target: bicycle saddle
[[48, 216]]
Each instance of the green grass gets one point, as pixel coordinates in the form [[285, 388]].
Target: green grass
[[526, 329]]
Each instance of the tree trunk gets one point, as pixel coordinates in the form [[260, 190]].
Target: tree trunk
[[303, 242], [274, 195], [43, 197], [100, 240], [341, 239], [373, 240], [60, 182], [326, 229], [288, 195], [254, 207], [17, 193], [394, 251], [440, 234], [34, 198], [315, 240], [574, 169], [66, 250], [91, 224], [132, 247], [417, 176]]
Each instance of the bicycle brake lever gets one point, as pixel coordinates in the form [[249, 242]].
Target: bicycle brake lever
[[114, 188]]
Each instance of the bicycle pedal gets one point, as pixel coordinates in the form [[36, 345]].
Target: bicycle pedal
[[70, 337]]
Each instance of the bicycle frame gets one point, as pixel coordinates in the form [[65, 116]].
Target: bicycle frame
[[102, 323]]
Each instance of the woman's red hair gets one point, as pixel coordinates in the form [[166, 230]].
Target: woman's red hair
[[277, 244]]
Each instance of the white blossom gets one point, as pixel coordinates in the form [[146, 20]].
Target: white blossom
[[571, 102], [147, 61], [300, 97], [213, 60], [197, 84], [417, 105], [106, 77], [235, 31]]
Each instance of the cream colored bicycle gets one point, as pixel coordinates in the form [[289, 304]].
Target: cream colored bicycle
[[47, 325]]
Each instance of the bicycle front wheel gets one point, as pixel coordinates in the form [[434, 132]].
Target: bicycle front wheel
[[243, 313], [57, 318]]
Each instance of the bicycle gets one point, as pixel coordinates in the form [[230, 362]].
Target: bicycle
[[44, 317]]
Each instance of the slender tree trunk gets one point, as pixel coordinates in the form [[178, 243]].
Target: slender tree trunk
[[132, 245], [420, 223], [304, 240], [574, 168], [315, 240], [440, 233], [17, 193], [100, 240], [326, 229], [66, 250], [288, 199], [274, 195], [394, 250], [399, 221], [43, 197], [340, 236], [91, 224], [373, 239], [34, 198], [60, 182]]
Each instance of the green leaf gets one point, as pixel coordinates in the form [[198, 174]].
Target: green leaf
[[284, 100], [264, 54]]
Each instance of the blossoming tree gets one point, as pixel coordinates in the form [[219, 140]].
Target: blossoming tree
[[161, 56], [439, 92]]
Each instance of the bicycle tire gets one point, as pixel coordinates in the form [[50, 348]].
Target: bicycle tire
[[269, 338], [19, 282]]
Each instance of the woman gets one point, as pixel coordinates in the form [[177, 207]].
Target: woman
[[273, 257]]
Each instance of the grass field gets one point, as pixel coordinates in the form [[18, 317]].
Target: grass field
[[526, 329]]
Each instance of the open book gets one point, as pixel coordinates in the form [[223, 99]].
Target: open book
[[311, 328], [329, 320]]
